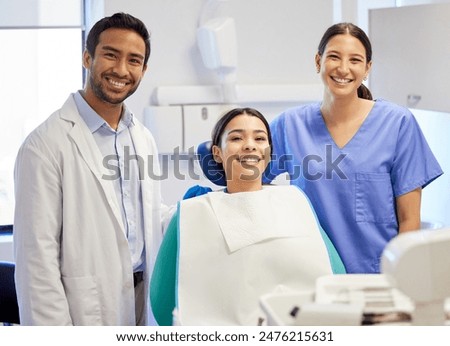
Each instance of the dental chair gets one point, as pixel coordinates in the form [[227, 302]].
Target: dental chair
[[210, 168], [168, 274], [9, 309]]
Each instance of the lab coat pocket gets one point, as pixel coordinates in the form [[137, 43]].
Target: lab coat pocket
[[83, 299], [374, 198]]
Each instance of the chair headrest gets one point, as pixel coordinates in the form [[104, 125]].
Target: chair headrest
[[211, 169]]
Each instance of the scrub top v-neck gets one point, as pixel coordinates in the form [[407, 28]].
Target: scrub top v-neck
[[357, 137]]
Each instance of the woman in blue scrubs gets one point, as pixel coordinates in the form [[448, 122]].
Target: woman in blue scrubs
[[362, 163]]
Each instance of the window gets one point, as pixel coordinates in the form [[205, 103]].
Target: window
[[40, 68]]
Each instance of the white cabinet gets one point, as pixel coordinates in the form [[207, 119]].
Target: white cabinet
[[411, 55], [180, 128]]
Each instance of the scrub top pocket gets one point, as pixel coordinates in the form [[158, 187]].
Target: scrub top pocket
[[374, 198]]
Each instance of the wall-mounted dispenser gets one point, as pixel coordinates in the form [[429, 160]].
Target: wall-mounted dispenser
[[216, 40], [217, 43]]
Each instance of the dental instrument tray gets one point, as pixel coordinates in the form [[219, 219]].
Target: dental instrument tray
[[352, 299]]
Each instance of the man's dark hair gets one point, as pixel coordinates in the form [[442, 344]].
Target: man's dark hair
[[118, 21]]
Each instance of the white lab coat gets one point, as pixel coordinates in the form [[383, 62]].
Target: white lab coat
[[73, 265]]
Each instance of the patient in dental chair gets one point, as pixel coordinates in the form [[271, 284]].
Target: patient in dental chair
[[224, 249]]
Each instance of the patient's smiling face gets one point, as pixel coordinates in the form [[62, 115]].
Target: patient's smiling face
[[244, 151]]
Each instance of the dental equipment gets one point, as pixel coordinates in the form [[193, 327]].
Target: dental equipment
[[418, 264]]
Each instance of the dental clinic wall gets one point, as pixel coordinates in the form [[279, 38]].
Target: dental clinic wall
[[276, 40], [276, 43]]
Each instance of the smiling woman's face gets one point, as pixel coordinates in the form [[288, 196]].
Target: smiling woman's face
[[244, 149], [343, 65]]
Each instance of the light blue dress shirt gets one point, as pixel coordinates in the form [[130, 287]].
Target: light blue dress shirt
[[118, 146]]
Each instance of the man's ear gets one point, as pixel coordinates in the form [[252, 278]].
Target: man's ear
[[217, 154], [87, 59]]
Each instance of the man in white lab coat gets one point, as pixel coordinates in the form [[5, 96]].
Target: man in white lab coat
[[88, 210]]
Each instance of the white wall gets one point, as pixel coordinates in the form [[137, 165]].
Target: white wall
[[276, 41], [419, 2], [436, 196]]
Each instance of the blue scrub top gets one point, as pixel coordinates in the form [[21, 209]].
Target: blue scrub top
[[353, 189]]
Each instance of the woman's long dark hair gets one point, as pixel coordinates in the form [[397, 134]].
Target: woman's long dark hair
[[351, 29]]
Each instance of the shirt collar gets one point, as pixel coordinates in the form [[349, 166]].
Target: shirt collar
[[95, 121]]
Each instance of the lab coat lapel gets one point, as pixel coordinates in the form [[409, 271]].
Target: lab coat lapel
[[149, 164], [145, 162], [141, 149], [90, 153]]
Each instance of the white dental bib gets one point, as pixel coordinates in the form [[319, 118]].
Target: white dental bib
[[233, 248]]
